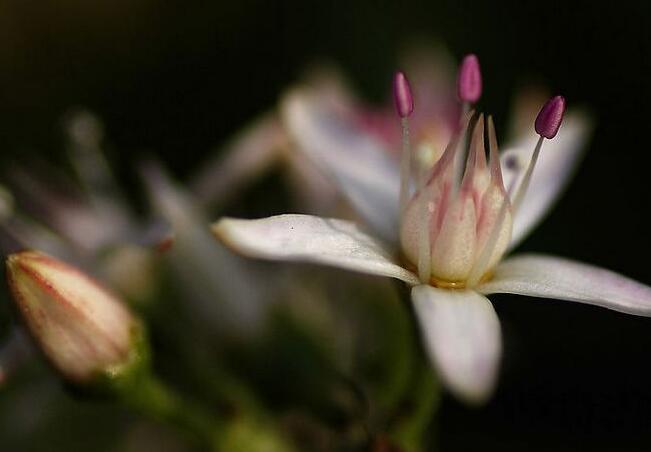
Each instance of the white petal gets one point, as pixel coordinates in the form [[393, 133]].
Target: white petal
[[360, 167], [431, 70], [558, 160], [221, 286], [563, 279], [463, 337], [308, 238], [250, 153]]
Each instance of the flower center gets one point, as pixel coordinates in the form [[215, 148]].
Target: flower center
[[457, 224], [445, 284], [455, 215]]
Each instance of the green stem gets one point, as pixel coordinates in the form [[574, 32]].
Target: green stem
[[409, 428], [153, 398]]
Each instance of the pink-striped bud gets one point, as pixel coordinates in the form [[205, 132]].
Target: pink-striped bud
[[84, 331], [550, 117], [402, 95], [469, 79]]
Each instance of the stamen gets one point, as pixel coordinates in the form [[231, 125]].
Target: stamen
[[402, 95], [469, 79], [548, 122], [469, 87], [550, 117], [404, 102], [526, 179]]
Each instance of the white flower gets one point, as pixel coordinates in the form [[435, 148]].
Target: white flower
[[448, 238]]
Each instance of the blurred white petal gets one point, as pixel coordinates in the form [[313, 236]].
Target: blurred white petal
[[221, 287], [18, 233], [556, 165], [361, 168], [85, 147], [44, 195], [102, 201], [563, 279], [525, 106], [307, 238], [463, 338], [312, 190], [249, 154], [431, 70]]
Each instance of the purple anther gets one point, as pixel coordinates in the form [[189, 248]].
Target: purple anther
[[469, 79], [550, 117], [402, 95]]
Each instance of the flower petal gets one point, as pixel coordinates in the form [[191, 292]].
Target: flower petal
[[430, 68], [223, 288], [308, 238], [248, 155], [563, 279], [556, 165], [361, 168], [463, 337]]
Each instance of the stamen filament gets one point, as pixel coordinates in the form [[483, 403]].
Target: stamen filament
[[526, 179], [404, 102], [405, 166], [514, 183]]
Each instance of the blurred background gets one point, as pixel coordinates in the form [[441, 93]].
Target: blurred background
[[176, 79]]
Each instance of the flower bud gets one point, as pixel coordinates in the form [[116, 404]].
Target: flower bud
[[85, 332]]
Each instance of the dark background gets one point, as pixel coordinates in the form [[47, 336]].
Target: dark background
[[177, 78]]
